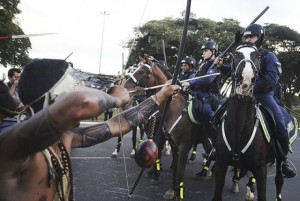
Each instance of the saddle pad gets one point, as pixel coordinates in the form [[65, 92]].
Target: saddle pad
[[194, 110], [268, 124]]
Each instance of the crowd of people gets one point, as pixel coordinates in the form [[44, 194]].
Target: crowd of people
[[34, 154]]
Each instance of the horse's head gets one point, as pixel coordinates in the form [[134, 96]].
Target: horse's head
[[246, 68], [149, 73]]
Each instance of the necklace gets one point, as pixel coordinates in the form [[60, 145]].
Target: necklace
[[62, 173]]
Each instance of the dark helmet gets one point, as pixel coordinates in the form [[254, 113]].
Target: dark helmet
[[254, 29], [210, 45], [189, 60], [146, 154]]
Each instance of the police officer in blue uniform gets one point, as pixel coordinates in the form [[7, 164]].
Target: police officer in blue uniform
[[263, 88], [187, 68], [206, 89]]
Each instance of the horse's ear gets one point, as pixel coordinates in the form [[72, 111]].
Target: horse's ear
[[146, 56], [141, 59], [238, 37]]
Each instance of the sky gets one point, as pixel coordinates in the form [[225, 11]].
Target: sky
[[95, 40]]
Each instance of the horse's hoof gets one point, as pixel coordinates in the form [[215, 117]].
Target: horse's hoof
[[114, 154], [170, 194], [203, 173], [249, 195], [192, 158], [132, 154], [189, 161], [235, 188], [168, 151]]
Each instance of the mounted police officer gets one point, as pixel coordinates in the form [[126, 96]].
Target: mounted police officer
[[206, 89], [263, 88], [188, 68]]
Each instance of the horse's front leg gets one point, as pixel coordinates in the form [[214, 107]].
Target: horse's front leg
[[220, 169], [278, 179], [260, 174], [181, 165], [134, 133], [171, 193]]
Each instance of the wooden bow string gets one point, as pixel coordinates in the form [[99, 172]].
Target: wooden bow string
[[140, 89]]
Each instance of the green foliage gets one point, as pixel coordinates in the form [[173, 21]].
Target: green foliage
[[12, 51], [170, 30], [296, 114]]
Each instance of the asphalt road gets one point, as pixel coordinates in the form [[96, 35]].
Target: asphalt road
[[97, 177]]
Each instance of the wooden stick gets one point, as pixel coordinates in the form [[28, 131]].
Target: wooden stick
[[159, 86]]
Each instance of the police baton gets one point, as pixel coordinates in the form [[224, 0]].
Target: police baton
[[238, 36]]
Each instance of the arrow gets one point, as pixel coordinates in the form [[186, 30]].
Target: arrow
[[25, 36], [159, 86]]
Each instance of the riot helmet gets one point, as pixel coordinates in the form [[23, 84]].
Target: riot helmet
[[189, 60], [254, 29], [210, 45]]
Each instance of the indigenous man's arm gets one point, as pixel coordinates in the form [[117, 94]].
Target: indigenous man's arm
[[116, 126], [47, 126], [121, 123]]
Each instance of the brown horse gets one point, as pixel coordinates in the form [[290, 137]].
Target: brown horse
[[121, 80], [177, 125]]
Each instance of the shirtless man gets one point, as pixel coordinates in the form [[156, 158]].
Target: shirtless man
[[34, 154]]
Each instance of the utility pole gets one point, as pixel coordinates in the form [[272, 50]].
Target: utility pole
[[104, 13]]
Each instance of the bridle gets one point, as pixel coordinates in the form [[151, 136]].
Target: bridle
[[142, 82], [238, 68]]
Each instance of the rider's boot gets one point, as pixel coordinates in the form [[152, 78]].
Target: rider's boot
[[286, 170]]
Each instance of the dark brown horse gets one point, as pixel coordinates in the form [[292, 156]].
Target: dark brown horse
[[241, 141], [177, 123]]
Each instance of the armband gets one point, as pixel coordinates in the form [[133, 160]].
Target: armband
[[140, 113], [95, 134]]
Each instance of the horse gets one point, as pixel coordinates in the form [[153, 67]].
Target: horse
[[121, 80], [134, 101], [242, 141], [177, 127]]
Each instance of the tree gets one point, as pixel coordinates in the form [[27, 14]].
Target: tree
[[150, 37], [12, 51], [285, 42]]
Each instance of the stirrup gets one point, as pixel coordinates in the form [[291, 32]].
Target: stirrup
[[292, 172]]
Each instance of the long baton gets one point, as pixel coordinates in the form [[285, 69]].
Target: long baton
[[180, 54], [159, 86], [164, 52], [25, 36], [234, 42]]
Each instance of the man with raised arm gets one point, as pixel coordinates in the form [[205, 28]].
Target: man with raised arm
[[34, 154]]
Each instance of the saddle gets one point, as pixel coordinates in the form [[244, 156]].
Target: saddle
[[267, 122], [195, 109]]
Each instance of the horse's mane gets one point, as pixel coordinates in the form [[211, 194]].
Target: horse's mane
[[164, 70], [148, 58]]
